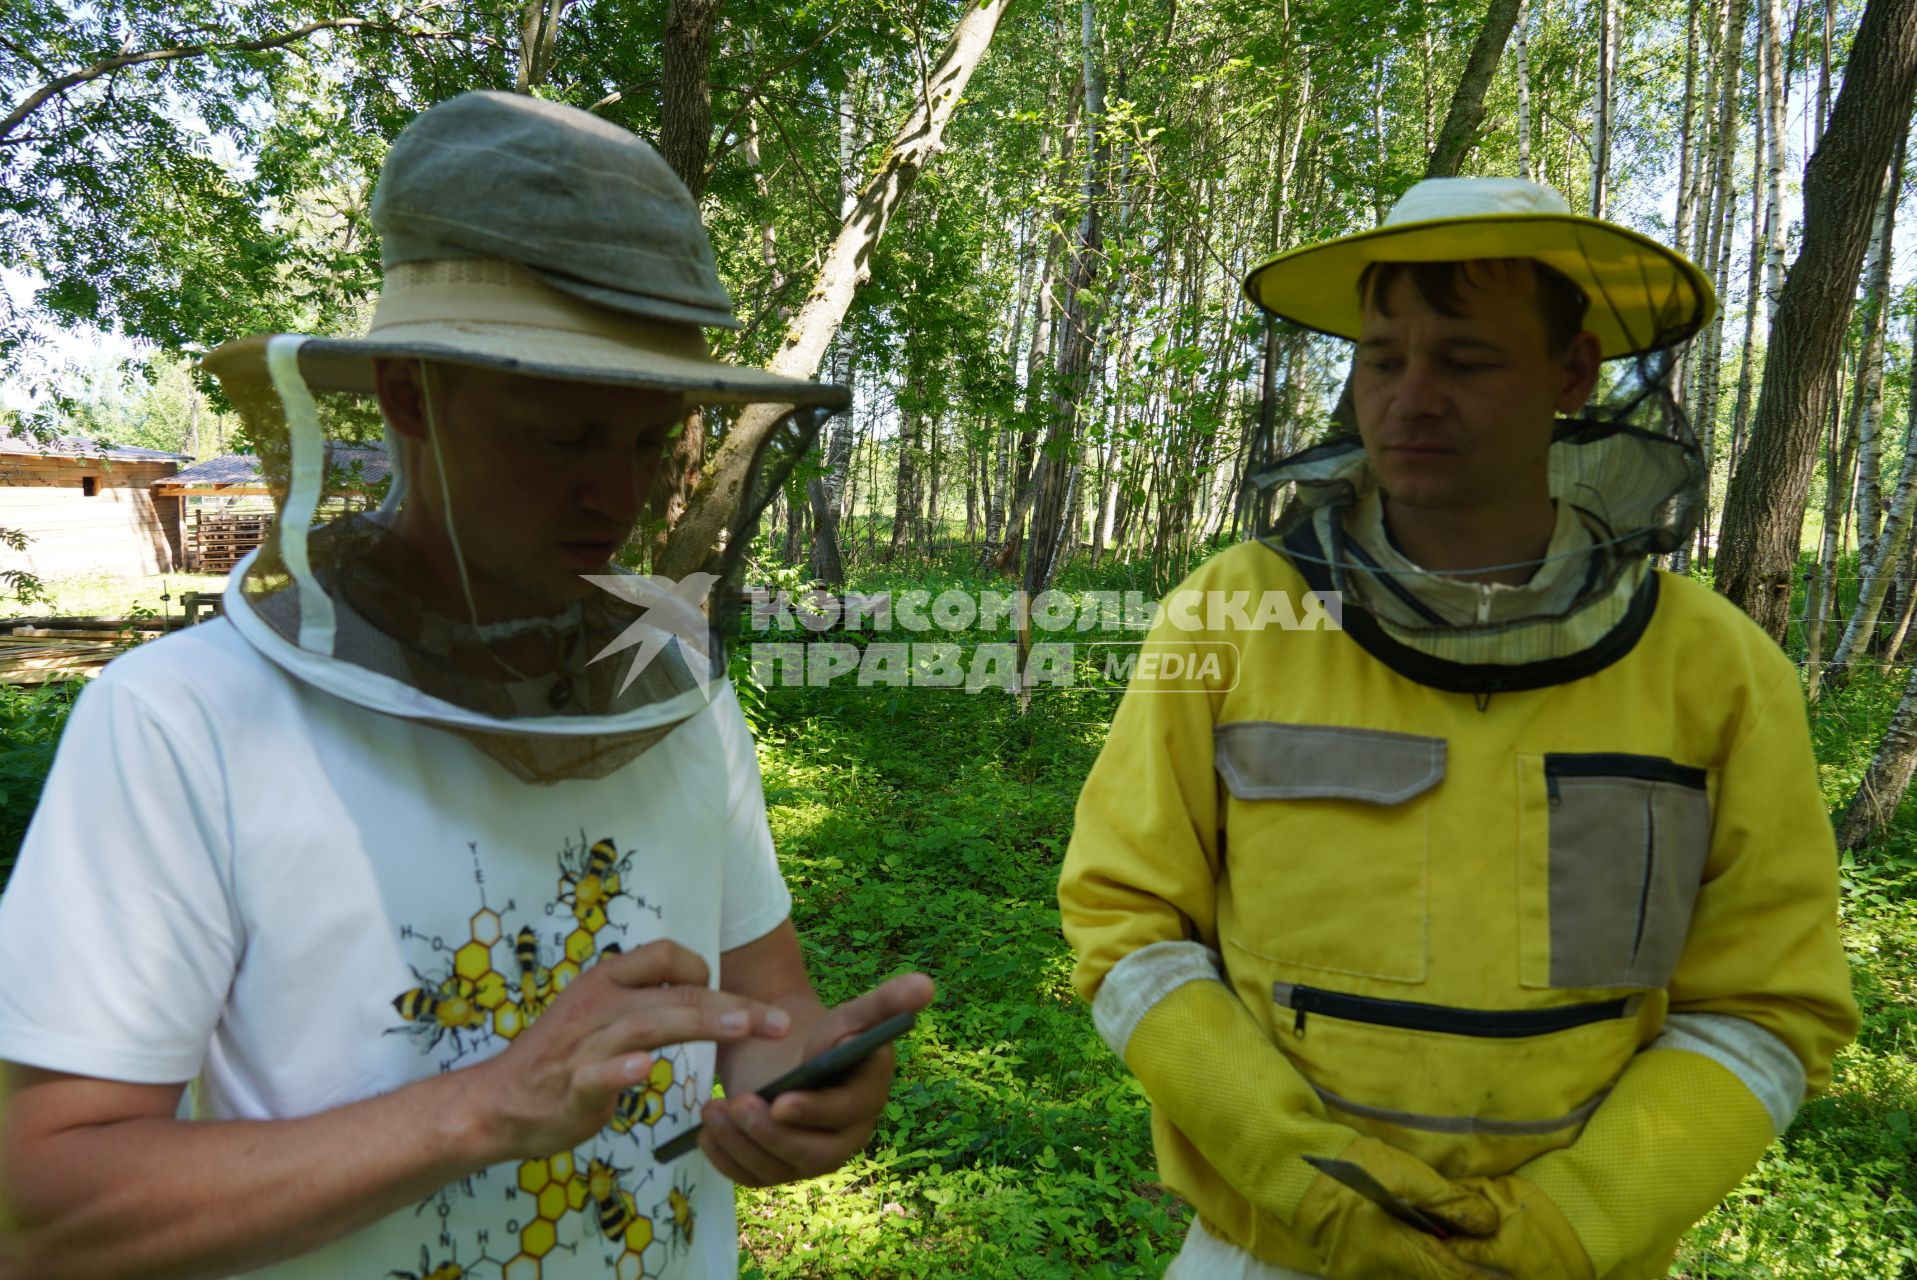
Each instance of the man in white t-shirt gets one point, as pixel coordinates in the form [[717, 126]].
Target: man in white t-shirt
[[381, 928]]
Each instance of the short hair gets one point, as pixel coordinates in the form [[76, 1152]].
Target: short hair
[[1561, 303]]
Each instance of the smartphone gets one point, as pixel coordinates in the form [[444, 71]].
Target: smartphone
[[824, 1071]]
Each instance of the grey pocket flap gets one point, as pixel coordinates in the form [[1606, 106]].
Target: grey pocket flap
[[1262, 760]]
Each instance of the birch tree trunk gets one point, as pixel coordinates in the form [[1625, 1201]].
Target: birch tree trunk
[[1821, 591], [1888, 777], [1680, 224], [1881, 566], [844, 268], [1607, 78], [1867, 396], [1765, 508], [1524, 90], [1774, 103]]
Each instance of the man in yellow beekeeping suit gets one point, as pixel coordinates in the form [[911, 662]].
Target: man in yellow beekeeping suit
[[1515, 889]]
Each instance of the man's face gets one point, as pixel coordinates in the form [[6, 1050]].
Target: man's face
[[546, 479], [1456, 412]]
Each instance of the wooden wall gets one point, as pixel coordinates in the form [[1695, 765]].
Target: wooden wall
[[121, 529]]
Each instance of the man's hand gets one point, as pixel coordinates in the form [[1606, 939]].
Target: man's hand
[[559, 1081], [806, 1133], [1356, 1240]]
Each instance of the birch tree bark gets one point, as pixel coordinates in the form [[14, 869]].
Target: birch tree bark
[[845, 267], [1765, 507], [1867, 395], [1888, 777], [1607, 79], [1881, 567], [1778, 91], [1524, 90]]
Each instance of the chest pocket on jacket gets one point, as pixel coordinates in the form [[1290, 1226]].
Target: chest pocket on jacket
[[1327, 842], [1625, 838]]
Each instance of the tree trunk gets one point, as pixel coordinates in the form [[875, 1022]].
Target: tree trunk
[[1888, 777], [905, 501], [1822, 587], [1607, 81], [1881, 565], [1765, 508], [1681, 223], [538, 29], [844, 268], [1524, 89], [1467, 102], [1867, 396], [685, 141], [1753, 280], [1774, 101], [1078, 329]]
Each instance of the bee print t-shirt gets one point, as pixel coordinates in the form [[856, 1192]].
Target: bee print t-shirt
[[294, 904]]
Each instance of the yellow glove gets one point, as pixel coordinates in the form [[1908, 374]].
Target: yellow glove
[[1676, 1134], [1533, 1236], [1356, 1240], [1208, 1068]]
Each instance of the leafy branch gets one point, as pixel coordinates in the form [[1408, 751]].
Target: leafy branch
[[119, 62]]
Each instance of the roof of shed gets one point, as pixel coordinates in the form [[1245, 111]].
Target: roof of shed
[[244, 468], [81, 447]]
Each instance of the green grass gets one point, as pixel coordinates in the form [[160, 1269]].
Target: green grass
[[104, 595], [924, 830]]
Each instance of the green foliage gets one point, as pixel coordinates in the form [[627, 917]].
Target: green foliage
[[925, 831], [31, 718]]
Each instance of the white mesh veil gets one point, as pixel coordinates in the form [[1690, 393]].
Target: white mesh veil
[[343, 606]]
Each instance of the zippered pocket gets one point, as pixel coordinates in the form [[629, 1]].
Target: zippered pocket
[[1627, 837], [1501, 1024]]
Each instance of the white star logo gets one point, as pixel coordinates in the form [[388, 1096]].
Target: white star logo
[[668, 608]]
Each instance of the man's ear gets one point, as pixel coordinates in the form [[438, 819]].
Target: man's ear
[[1581, 360], [401, 393]]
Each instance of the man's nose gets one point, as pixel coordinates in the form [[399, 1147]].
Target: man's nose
[[616, 488], [1420, 391]]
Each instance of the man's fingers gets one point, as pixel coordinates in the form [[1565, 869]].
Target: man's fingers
[[664, 961], [857, 1101], [604, 1081], [734, 1138], [683, 1015], [907, 993]]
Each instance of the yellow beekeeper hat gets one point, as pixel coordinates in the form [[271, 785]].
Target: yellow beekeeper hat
[[1643, 296]]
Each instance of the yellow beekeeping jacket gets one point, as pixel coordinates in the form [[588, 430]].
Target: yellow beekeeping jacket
[[1459, 915]]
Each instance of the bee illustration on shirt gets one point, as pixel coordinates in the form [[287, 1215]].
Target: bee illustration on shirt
[[590, 880], [616, 1211], [434, 1008], [681, 1221], [535, 979], [427, 1271]]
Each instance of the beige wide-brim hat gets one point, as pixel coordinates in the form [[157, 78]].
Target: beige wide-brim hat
[[1643, 296], [529, 236], [497, 315]]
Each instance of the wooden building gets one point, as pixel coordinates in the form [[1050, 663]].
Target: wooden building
[[87, 507], [222, 501]]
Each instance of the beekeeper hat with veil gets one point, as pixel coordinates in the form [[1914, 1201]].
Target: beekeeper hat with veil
[[1627, 475], [522, 237]]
